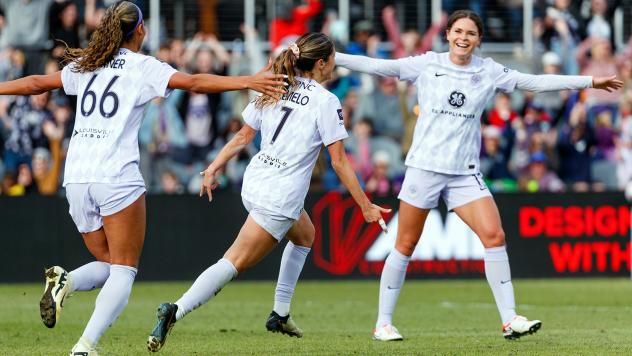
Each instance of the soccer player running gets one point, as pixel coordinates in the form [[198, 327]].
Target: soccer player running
[[276, 181], [104, 187], [453, 90]]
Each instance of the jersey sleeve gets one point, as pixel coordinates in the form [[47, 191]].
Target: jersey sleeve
[[330, 122], [70, 80], [252, 116], [505, 79], [156, 75], [411, 67]]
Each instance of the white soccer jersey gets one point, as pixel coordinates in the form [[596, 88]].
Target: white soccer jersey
[[451, 98], [292, 133], [110, 103]]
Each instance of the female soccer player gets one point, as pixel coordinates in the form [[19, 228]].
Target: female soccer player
[[103, 183], [453, 90], [293, 130]]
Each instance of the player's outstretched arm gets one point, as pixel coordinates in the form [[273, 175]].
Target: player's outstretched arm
[[381, 67], [32, 85], [342, 167], [551, 82], [263, 82], [234, 146]]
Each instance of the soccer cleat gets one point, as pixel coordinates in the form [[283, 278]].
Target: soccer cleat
[[520, 326], [57, 288], [387, 333], [166, 315], [83, 348], [283, 324]]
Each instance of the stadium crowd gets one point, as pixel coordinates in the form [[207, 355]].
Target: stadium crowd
[[553, 142]]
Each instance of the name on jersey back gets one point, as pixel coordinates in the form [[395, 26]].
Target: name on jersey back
[[295, 96]]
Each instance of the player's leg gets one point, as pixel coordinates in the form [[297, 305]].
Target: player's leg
[[251, 245], [420, 193], [482, 216], [301, 237], [60, 283], [124, 227], [410, 226]]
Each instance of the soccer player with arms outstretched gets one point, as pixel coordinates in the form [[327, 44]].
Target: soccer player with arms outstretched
[[453, 90], [293, 130], [104, 187]]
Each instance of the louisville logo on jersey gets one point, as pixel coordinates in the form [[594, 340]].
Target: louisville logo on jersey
[[456, 99], [340, 117]]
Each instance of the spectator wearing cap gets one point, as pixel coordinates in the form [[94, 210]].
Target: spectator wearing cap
[[365, 41], [539, 178]]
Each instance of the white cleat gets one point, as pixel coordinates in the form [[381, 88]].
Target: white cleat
[[83, 348], [387, 333], [520, 326], [57, 288]]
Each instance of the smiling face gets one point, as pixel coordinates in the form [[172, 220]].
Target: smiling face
[[463, 37]]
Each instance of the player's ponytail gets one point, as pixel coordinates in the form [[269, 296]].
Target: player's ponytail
[[299, 57], [117, 26]]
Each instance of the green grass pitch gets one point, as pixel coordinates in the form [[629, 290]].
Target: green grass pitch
[[580, 317]]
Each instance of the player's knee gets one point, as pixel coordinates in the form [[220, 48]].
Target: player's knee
[[405, 247], [309, 236], [125, 261], [493, 237]]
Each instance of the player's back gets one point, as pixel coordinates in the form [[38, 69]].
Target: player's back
[[110, 100], [292, 133]]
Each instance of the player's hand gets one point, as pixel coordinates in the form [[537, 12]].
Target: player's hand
[[607, 83], [209, 182], [374, 214], [267, 83]]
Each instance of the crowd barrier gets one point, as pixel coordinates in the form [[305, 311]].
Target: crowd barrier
[[548, 235]]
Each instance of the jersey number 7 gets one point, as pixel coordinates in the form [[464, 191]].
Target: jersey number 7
[[286, 114]]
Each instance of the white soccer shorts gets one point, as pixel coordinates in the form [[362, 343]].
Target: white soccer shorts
[[422, 188], [275, 224], [90, 202]]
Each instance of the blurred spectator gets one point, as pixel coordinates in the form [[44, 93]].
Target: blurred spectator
[[378, 183], [25, 179], [383, 106], [10, 185], [562, 31], [236, 167], [524, 129], [11, 64], [64, 27], [23, 120], [291, 21], [359, 146], [494, 161], [604, 136], [599, 22], [502, 114], [170, 184], [624, 144], [200, 111], [27, 29], [539, 178], [410, 42], [574, 144], [600, 63], [162, 137], [365, 42], [551, 101]]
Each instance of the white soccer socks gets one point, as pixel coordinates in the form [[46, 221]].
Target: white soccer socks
[[206, 286], [391, 282], [110, 302], [499, 278], [291, 266], [90, 276]]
